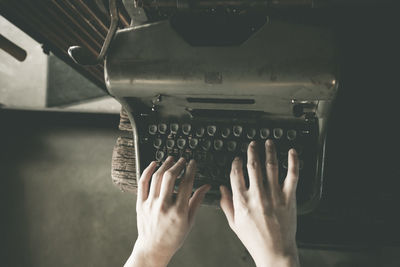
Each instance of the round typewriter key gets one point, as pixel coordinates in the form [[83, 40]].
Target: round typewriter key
[[174, 127], [251, 133], [193, 143], [181, 143], [157, 143], [226, 132], [186, 128], [264, 133], [200, 132], [218, 144], [159, 155], [211, 129], [206, 145], [152, 129], [231, 146], [162, 128], [170, 143], [237, 130], [278, 132], [291, 134]]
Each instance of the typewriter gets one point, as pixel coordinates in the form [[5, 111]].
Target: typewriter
[[203, 81]]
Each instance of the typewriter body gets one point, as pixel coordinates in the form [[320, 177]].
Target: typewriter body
[[208, 101]]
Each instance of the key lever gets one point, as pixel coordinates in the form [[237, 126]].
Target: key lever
[[82, 56]]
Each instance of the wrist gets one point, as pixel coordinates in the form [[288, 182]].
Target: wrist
[[145, 257], [286, 259]]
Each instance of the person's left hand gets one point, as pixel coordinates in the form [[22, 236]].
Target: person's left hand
[[163, 222]]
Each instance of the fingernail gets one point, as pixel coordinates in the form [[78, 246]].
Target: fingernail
[[181, 160], [269, 142], [236, 158], [293, 152], [253, 143]]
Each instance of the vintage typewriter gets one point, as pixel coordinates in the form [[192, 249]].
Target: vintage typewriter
[[201, 80]]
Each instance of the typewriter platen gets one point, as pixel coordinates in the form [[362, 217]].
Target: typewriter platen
[[207, 101]]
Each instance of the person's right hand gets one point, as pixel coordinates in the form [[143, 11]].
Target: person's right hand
[[263, 216]]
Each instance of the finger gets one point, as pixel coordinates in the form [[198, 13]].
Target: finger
[[254, 169], [292, 177], [237, 179], [157, 177], [272, 167], [169, 178], [186, 185], [196, 200], [143, 185], [226, 203]]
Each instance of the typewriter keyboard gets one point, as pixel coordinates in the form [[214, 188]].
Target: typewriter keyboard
[[214, 145]]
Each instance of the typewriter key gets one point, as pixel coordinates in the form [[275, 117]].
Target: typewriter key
[[206, 145], [159, 155], [200, 132], [226, 132], [181, 143], [211, 129], [186, 128], [291, 134], [218, 144], [170, 143], [152, 129], [157, 143], [193, 143], [231, 146], [162, 128], [264, 133], [251, 133], [174, 127], [278, 132], [237, 130]]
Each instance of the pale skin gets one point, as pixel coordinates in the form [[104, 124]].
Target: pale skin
[[262, 215]]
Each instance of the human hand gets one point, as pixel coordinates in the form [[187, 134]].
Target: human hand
[[164, 222], [263, 216]]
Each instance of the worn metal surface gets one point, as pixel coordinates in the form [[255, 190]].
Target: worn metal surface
[[279, 63]]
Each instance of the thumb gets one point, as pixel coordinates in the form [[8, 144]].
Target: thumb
[[196, 200]]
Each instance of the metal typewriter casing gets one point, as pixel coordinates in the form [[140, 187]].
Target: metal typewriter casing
[[151, 69]]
